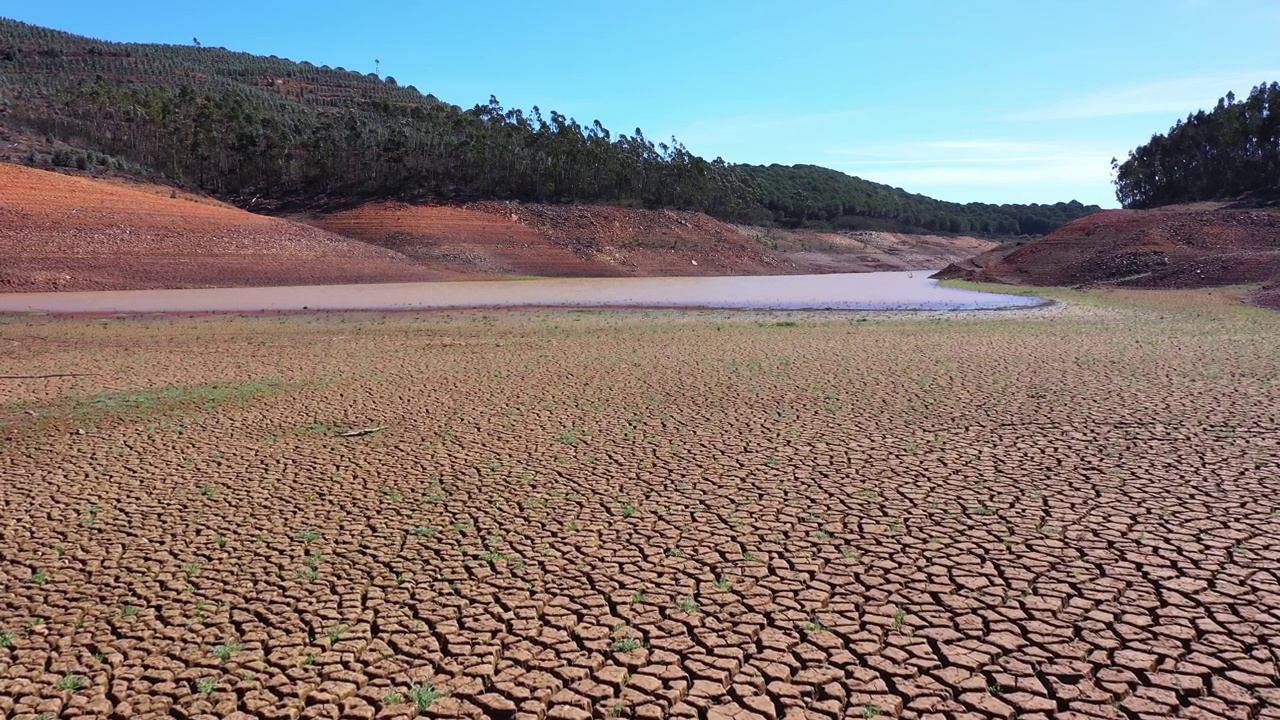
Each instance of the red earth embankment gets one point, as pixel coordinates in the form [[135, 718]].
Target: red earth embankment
[[1179, 247], [591, 240], [68, 232], [64, 232]]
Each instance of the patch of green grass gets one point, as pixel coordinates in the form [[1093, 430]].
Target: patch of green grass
[[6, 639], [206, 686], [392, 698], [424, 696], [70, 682], [335, 633], [130, 611], [625, 645], [224, 651], [307, 535], [899, 618], [815, 624], [39, 577], [172, 397], [688, 605], [423, 530]]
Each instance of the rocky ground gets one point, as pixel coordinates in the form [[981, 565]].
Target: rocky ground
[[644, 514], [1206, 245]]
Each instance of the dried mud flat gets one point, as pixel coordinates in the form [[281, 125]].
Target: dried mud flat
[[644, 514]]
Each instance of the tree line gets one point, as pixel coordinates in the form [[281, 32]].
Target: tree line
[[254, 128], [1227, 152]]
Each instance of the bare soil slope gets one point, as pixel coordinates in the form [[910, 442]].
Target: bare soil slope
[[63, 232], [591, 240], [1183, 247]]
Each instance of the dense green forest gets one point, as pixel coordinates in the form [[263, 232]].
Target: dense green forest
[[1227, 152], [264, 129]]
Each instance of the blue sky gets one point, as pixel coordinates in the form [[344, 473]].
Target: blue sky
[[988, 100]]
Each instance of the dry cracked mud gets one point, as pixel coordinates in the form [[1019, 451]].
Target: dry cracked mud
[[644, 514]]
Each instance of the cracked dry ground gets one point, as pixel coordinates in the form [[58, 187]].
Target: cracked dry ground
[[643, 515]]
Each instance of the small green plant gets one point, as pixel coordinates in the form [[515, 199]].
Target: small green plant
[[572, 526], [6, 639], [871, 711], [392, 698], [206, 686], [984, 510], [899, 618], [209, 491], [39, 577], [688, 605], [309, 574], [722, 583], [627, 509], [307, 535], [224, 651], [618, 709], [423, 530], [191, 568], [335, 633], [637, 597], [625, 645], [568, 437], [815, 624], [130, 611], [314, 559], [310, 660], [822, 535], [220, 541], [423, 696], [70, 682]]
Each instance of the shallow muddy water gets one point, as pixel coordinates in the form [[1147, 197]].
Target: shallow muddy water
[[852, 291]]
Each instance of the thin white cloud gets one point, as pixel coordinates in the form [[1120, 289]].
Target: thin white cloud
[[1180, 96], [955, 168]]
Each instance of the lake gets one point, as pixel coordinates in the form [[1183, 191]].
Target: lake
[[849, 291]]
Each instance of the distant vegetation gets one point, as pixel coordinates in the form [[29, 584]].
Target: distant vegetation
[[1232, 150], [254, 128]]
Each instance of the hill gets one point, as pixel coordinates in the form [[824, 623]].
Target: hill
[[485, 238], [1176, 247], [60, 232], [267, 132], [1228, 152], [65, 232]]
